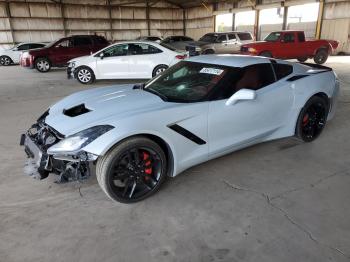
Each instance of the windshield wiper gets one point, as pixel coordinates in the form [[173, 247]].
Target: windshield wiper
[[163, 97]]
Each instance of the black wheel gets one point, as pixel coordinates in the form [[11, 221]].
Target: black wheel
[[302, 59], [5, 60], [159, 69], [208, 52], [321, 56], [85, 75], [312, 119], [266, 54], [43, 65], [133, 170]]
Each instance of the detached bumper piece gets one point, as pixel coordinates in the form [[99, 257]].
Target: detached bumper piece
[[67, 168], [70, 72]]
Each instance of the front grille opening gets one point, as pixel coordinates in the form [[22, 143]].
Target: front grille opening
[[76, 110]]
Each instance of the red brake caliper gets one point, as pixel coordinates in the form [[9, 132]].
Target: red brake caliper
[[148, 165], [305, 119]]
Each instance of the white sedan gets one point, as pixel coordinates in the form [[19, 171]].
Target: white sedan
[[124, 60], [12, 55]]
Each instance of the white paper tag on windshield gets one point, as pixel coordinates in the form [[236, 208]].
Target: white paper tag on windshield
[[212, 71]]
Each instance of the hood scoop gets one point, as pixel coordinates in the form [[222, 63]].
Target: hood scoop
[[76, 111]]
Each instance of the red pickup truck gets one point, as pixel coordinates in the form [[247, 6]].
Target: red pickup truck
[[289, 45], [59, 52]]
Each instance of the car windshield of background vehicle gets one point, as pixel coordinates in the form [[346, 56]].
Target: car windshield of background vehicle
[[187, 82], [273, 37], [211, 38]]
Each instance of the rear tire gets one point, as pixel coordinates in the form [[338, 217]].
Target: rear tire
[[312, 119], [5, 60], [302, 59], [43, 65], [85, 75], [321, 56], [159, 69], [208, 52], [133, 170], [266, 54]]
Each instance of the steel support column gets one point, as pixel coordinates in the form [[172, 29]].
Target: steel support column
[[320, 19], [9, 16]]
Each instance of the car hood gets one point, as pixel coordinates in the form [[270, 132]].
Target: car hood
[[100, 105]]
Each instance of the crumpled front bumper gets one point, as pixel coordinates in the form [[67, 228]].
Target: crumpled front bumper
[[39, 159], [70, 72], [68, 167]]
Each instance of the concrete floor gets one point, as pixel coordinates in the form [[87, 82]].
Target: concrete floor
[[278, 201]]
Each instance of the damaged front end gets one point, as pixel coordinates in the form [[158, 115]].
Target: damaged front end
[[51, 152]]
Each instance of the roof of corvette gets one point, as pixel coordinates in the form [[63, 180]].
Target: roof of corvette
[[229, 60]]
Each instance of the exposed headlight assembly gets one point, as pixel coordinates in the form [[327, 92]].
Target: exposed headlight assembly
[[71, 64], [75, 142]]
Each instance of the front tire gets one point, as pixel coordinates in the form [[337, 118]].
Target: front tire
[[85, 75], [312, 119], [43, 65], [159, 69], [5, 60], [133, 170], [321, 56], [266, 54]]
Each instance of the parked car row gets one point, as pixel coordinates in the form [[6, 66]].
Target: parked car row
[[91, 57]]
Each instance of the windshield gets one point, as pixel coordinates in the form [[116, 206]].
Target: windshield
[[187, 82], [273, 37], [211, 38]]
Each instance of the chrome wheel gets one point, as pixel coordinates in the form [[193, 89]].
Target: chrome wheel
[[5, 61], [84, 75], [43, 65], [159, 69]]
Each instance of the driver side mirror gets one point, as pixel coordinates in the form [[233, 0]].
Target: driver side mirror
[[101, 55], [243, 94]]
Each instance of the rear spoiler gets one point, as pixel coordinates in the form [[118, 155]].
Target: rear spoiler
[[317, 68]]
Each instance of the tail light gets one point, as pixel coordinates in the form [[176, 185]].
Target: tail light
[[180, 57]]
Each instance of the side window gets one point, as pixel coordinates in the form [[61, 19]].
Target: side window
[[23, 47], [252, 77], [288, 38], [221, 38], [244, 36], [301, 37], [32, 46], [231, 37], [116, 50], [282, 70], [65, 43], [82, 41], [99, 40], [143, 49]]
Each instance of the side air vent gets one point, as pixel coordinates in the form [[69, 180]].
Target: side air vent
[[293, 78], [76, 111]]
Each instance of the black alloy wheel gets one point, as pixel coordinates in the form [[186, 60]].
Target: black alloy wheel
[[132, 171], [312, 119]]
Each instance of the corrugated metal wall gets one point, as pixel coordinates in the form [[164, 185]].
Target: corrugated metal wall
[[44, 21], [336, 23], [199, 21]]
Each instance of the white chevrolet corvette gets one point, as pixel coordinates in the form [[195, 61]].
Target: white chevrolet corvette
[[134, 136], [124, 60]]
